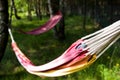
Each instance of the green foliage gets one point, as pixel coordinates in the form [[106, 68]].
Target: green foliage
[[21, 5], [44, 48], [109, 74]]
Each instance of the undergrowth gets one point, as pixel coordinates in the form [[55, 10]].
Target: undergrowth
[[44, 48]]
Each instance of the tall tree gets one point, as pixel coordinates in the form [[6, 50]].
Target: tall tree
[[37, 4], [54, 7], [29, 3], [84, 13], [3, 26], [13, 8], [62, 21]]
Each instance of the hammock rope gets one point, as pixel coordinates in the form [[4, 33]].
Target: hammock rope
[[78, 56], [45, 27]]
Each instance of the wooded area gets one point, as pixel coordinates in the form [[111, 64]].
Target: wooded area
[[101, 12]]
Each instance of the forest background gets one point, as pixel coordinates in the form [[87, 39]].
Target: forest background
[[80, 17]]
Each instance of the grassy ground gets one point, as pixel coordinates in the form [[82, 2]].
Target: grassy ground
[[44, 48]]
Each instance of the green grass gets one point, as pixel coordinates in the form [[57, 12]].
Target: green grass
[[44, 48]]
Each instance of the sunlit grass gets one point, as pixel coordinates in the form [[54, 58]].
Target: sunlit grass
[[44, 48]]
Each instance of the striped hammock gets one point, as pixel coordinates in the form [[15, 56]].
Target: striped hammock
[[78, 56], [45, 27]]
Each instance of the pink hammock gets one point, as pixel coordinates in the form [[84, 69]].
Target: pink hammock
[[45, 27], [78, 56]]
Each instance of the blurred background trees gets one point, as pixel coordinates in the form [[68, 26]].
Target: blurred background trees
[[79, 18], [102, 12]]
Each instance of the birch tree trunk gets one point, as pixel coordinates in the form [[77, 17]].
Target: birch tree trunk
[[3, 26]]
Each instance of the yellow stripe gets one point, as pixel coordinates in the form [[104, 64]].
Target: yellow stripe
[[64, 71]]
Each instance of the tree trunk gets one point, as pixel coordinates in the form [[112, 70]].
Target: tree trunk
[[51, 14], [84, 13], [62, 22], [29, 10], [3, 26], [14, 9], [54, 7], [38, 9]]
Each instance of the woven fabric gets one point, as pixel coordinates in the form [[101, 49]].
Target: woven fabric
[[78, 56]]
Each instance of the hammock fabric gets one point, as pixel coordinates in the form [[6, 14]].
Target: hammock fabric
[[45, 27], [78, 56]]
